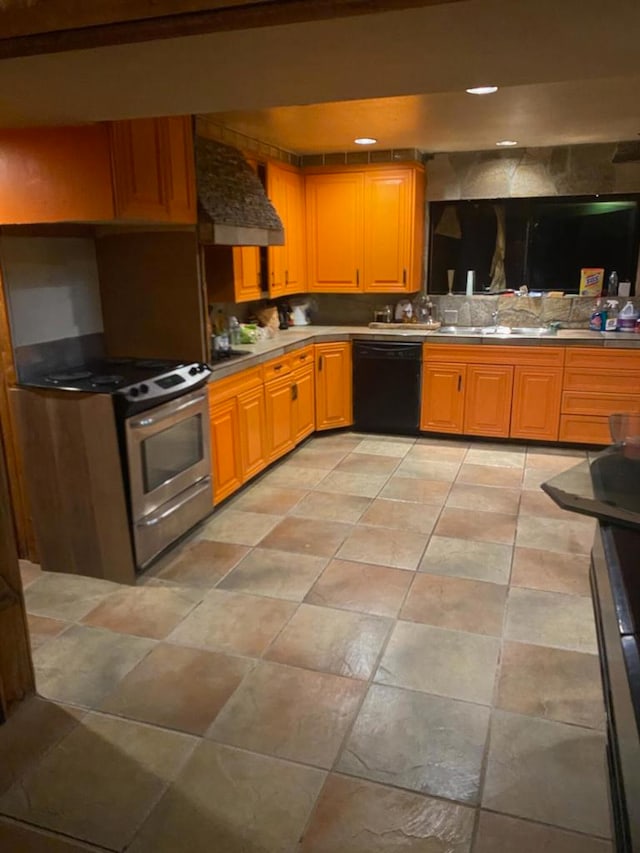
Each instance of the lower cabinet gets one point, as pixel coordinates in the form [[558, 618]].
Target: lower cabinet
[[226, 458], [304, 402], [442, 405], [251, 422], [334, 385], [278, 396], [487, 408], [536, 402]]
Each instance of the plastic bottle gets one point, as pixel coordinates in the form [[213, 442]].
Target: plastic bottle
[[612, 286], [627, 318], [234, 331], [598, 318], [611, 323]]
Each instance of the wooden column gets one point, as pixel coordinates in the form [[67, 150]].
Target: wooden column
[[16, 670]]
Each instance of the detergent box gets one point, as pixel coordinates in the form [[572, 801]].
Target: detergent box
[[591, 279]]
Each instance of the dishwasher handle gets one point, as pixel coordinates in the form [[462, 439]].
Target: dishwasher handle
[[405, 351]]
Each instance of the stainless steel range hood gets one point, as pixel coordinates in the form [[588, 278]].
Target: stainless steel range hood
[[233, 208]]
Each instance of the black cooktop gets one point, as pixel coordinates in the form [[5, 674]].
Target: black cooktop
[[105, 375]]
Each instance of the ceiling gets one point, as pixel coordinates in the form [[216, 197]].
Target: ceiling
[[566, 75]]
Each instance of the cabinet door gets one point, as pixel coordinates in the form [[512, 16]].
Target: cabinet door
[[304, 413], [388, 233], [251, 413], [277, 192], [225, 448], [246, 273], [334, 398], [335, 231], [138, 156], [487, 409], [180, 169], [278, 411], [535, 411], [442, 405], [295, 270]]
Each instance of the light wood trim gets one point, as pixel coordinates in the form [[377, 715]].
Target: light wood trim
[[542, 356], [601, 358], [391, 165]]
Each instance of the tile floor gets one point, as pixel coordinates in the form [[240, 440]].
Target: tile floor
[[384, 644]]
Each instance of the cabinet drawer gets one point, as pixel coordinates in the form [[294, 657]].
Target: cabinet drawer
[[584, 429], [276, 368], [602, 405], [603, 359], [301, 357], [539, 356], [231, 386], [601, 380]]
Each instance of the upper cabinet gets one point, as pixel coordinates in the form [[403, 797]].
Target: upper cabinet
[[287, 264], [365, 229], [153, 169]]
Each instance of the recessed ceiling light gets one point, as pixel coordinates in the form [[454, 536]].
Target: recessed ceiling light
[[482, 90], [506, 143], [365, 140]]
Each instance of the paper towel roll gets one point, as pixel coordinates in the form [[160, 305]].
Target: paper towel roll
[[471, 280]]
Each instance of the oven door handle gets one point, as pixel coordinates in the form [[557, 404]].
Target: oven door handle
[[157, 517], [151, 421]]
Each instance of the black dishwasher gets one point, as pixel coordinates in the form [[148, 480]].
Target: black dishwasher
[[386, 386]]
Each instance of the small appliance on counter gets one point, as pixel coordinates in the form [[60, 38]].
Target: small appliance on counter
[[300, 314]]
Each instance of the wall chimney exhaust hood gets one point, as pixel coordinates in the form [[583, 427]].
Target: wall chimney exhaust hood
[[233, 208]]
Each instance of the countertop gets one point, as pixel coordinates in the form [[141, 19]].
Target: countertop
[[291, 339]]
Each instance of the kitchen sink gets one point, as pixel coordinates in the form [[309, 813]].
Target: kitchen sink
[[499, 331], [461, 330]]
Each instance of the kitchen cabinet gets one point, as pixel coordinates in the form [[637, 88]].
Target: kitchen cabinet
[[278, 396], [442, 404], [252, 427], [226, 457], [365, 229], [536, 402], [487, 406], [153, 169], [232, 273], [287, 263], [334, 396], [304, 403]]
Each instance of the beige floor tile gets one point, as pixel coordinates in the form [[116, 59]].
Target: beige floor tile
[[356, 816], [279, 574], [203, 563], [29, 572], [307, 536], [20, 838], [442, 452], [66, 597], [268, 499], [461, 604], [534, 477], [551, 619], [571, 535], [178, 688], [336, 641], [234, 622], [42, 629], [490, 475], [428, 469], [145, 611], [288, 475], [130, 763], [498, 833], [416, 491], [318, 457], [484, 455], [488, 498], [345, 483], [368, 463], [334, 441], [401, 515], [33, 728], [479, 526], [331, 507], [552, 683], [360, 586], [398, 549], [547, 771], [551, 570], [290, 713], [554, 461], [97, 658], [239, 528], [436, 660], [230, 801], [432, 441], [385, 446], [540, 505], [417, 741], [485, 561]]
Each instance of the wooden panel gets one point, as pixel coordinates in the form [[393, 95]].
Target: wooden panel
[[247, 275], [388, 232], [181, 178], [138, 157], [541, 356], [584, 429], [238, 383], [251, 413], [70, 449], [334, 384], [334, 204], [601, 380], [276, 368], [278, 412], [586, 403], [226, 459], [295, 273], [152, 304], [535, 410], [301, 357], [442, 403], [603, 358], [55, 174], [277, 193], [304, 410], [487, 409]]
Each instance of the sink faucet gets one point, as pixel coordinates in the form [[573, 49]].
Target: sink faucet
[[494, 317]]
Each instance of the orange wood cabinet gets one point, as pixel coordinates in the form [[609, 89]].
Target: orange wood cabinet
[[226, 460], [535, 411], [442, 403], [288, 263], [278, 397], [334, 383], [487, 405], [365, 229], [232, 273], [597, 382], [251, 415], [304, 402], [153, 169]]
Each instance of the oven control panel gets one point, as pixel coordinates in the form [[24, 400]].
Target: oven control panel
[[155, 390]]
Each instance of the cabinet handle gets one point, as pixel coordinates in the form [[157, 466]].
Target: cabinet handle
[[357, 276], [277, 367], [286, 277], [320, 363], [294, 392], [404, 276], [302, 357], [459, 381]]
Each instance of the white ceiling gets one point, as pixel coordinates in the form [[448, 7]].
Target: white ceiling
[[569, 71]]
